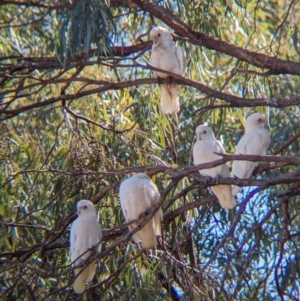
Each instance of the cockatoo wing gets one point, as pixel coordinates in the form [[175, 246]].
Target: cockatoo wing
[[78, 245], [146, 236], [154, 195], [169, 93], [138, 194], [133, 197], [252, 143], [73, 238], [203, 152], [79, 242], [95, 235], [85, 234], [181, 57], [153, 227], [158, 218]]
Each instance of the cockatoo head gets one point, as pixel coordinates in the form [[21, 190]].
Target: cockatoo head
[[161, 36], [256, 121], [85, 207], [204, 132]]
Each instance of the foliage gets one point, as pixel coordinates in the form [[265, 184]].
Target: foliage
[[78, 118]]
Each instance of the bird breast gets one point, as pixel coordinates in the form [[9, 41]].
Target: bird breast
[[165, 60]]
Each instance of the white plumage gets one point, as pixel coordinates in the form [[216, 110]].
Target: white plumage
[[255, 141], [166, 56], [203, 152], [85, 234], [137, 194]]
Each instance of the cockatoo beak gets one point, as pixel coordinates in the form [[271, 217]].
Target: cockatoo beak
[[79, 209], [154, 39]]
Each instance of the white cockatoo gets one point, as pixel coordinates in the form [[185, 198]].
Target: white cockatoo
[[138, 194], [86, 233], [166, 56], [255, 141], [203, 152]]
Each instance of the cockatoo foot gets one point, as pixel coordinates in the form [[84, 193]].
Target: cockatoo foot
[[169, 80], [207, 179], [160, 80], [138, 224], [84, 262]]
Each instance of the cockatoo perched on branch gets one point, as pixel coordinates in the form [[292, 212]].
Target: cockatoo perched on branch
[[166, 56], [255, 141], [203, 152], [86, 233], [138, 194]]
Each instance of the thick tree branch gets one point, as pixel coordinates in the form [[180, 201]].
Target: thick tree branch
[[288, 178], [48, 63], [40, 4], [178, 172], [275, 65], [195, 204], [286, 144], [233, 100], [68, 5]]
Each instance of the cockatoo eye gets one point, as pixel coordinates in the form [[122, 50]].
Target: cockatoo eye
[[159, 35], [259, 120], [85, 207], [204, 132]]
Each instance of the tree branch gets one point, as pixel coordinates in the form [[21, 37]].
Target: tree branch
[[233, 100], [275, 65]]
